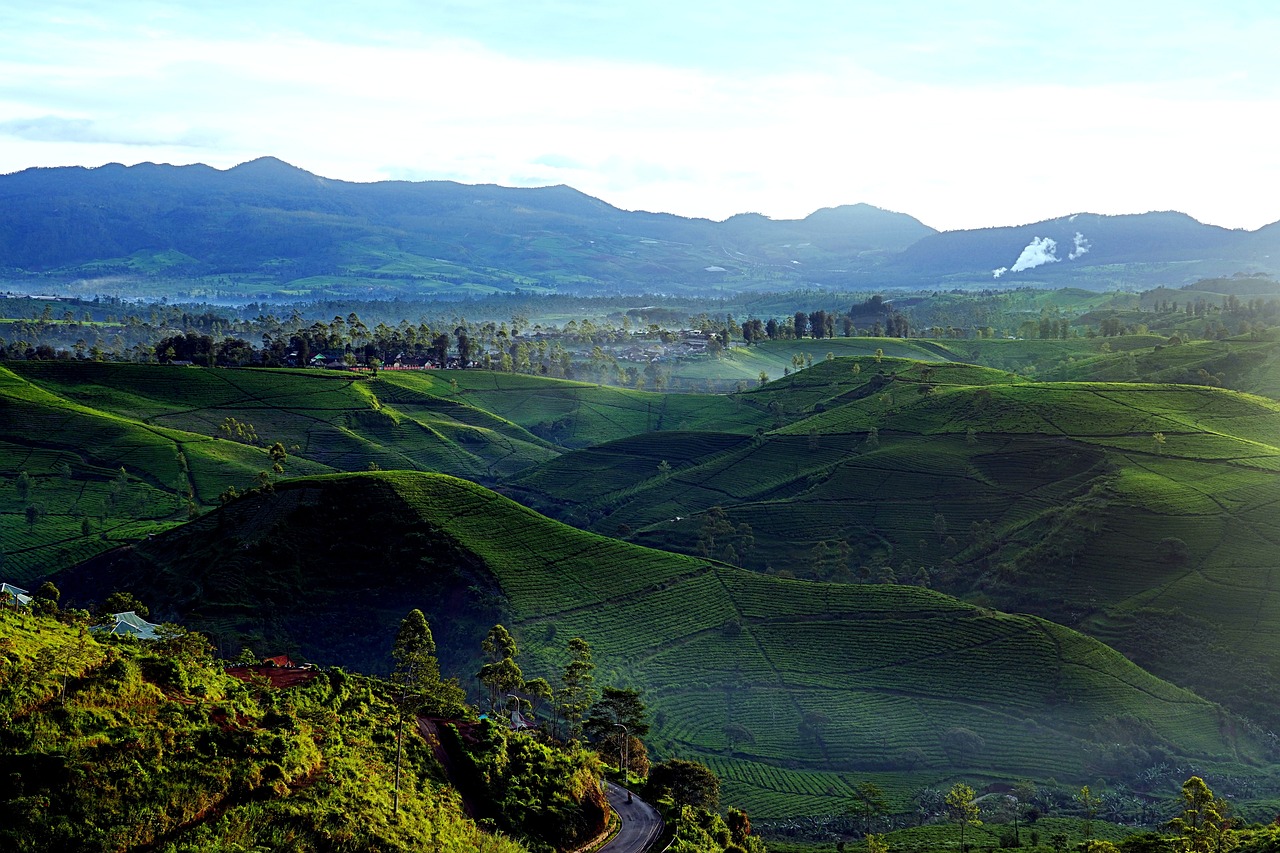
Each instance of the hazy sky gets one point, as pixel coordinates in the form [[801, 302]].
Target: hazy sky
[[962, 114]]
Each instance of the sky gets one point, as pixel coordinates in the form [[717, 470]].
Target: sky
[[962, 114]]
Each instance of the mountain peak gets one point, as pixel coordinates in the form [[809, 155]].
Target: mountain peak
[[267, 166]]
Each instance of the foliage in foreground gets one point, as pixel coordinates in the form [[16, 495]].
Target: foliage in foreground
[[551, 797], [155, 746]]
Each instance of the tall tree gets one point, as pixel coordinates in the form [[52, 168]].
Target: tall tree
[[1089, 803], [501, 674], [868, 804], [499, 644], [416, 678], [576, 694], [1203, 823], [616, 708]]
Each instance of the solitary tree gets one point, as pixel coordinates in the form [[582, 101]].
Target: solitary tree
[[23, 485], [1089, 803], [868, 804], [121, 602], [538, 690], [687, 783], [962, 809], [47, 597], [500, 673], [500, 677], [278, 454]]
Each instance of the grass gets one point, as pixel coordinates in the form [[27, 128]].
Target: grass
[[336, 420]]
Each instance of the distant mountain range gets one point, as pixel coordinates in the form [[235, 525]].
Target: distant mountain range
[[268, 229]]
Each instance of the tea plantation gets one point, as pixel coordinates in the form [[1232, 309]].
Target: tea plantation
[[1141, 513]]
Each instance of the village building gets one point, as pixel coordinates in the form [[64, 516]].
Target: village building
[[128, 624], [13, 596]]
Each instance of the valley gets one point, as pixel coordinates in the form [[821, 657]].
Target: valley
[[839, 548]]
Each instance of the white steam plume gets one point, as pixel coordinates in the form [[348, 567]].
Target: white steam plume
[[999, 272], [1040, 251], [1082, 247]]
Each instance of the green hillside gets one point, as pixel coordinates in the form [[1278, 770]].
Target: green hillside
[[818, 685], [1240, 364], [72, 426], [1056, 498], [1248, 363], [78, 480], [775, 359], [338, 420]]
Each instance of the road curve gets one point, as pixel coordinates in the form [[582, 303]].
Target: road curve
[[641, 823]]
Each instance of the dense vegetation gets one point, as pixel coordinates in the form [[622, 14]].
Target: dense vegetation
[[113, 745]]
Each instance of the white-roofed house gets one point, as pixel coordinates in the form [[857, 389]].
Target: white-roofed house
[[129, 624], [13, 596]]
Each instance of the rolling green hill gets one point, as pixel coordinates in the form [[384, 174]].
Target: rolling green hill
[[1056, 498], [72, 426], [335, 419], [579, 414], [79, 480], [792, 691], [1248, 363]]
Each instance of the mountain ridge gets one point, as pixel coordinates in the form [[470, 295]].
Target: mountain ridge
[[267, 227]]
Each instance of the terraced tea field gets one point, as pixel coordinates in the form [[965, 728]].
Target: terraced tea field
[[818, 685], [74, 501]]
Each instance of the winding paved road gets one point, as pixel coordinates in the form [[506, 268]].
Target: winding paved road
[[641, 823]]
